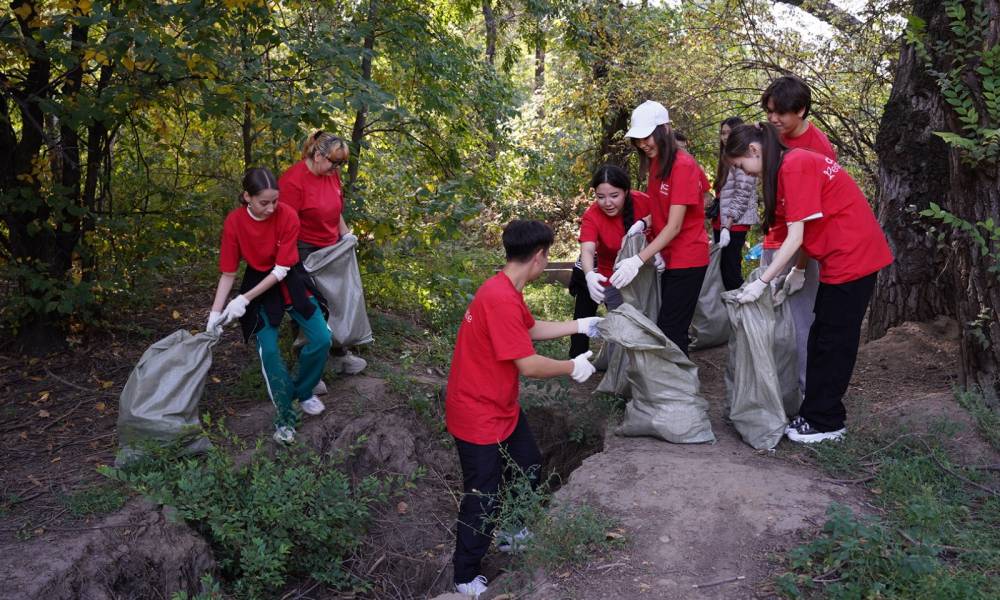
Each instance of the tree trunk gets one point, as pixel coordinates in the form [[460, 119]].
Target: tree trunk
[[246, 129], [539, 87], [915, 169], [361, 118], [490, 21]]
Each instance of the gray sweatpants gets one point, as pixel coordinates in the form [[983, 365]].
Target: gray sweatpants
[[802, 305]]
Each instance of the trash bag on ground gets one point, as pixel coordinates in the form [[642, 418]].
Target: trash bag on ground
[[753, 392], [335, 273], [786, 356], [159, 403], [664, 383], [642, 293], [710, 325]]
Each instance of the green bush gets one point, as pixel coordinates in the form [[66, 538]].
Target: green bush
[[268, 518]]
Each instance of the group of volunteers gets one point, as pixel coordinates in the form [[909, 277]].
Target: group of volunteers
[[273, 237], [822, 245]]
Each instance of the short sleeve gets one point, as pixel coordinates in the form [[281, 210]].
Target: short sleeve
[[803, 187], [685, 184], [588, 227], [509, 331], [290, 190], [229, 249], [288, 250], [640, 204]]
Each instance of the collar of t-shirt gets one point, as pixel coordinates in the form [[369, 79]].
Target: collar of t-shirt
[[253, 216]]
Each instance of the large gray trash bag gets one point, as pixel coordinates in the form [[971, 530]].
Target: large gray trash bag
[[753, 392], [160, 400], [335, 272], [710, 325], [786, 356], [664, 383], [643, 293]]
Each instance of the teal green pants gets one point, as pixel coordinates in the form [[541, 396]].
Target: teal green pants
[[282, 389]]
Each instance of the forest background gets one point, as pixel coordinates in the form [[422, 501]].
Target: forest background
[[125, 127]]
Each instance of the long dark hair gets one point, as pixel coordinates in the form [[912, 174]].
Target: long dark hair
[[722, 171], [772, 153], [666, 150], [616, 176], [256, 180]]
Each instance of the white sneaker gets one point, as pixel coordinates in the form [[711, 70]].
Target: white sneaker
[[312, 406], [320, 389], [348, 363], [795, 424], [513, 543], [473, 588], [284, 434]]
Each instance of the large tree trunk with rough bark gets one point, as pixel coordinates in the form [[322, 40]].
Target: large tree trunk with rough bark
[[932, 275]]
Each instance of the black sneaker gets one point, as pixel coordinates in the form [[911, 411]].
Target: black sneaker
[[805, 434], [796, 422]]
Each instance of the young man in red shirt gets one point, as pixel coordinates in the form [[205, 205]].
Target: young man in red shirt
[[787, 102], [494, 347]]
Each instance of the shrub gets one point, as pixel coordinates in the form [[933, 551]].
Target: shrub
[[266, 519]]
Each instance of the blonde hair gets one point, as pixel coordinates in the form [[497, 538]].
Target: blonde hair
[[326, 144]]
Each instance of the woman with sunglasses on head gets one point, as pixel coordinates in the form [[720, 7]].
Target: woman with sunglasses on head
[[676, 189], [312, 187], [262, 233], [828, 217]]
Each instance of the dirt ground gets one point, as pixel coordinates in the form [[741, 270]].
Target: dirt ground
[[691, 514]]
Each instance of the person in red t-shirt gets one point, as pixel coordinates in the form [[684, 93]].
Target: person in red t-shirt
[[677, 218], [262, 232], [616, 207], [493, 348], [312, 187], [829, 218], [787, 102]]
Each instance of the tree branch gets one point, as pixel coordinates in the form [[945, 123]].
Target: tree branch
[[828, 12]]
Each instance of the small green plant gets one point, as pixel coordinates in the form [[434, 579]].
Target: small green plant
[[210, 590], [99, 499], [561, 535], [987, 419], [268, 518]]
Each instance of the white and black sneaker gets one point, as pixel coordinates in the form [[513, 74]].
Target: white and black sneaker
[[806, 434], [796, 422]]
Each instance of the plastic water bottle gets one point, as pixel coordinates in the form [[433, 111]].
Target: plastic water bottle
[[755, 252]]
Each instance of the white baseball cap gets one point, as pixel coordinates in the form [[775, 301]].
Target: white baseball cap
[[645, 118]]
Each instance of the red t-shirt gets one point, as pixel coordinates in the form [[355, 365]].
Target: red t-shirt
[[811, 139], [262, 244], [846, 239], [686, 185], [481, 404], [318, 201], [607, 232]]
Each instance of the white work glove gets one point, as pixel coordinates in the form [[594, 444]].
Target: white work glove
[[658, 262], [594, 281], [588, 326], [349, 236], [215, 322], [626, 271], [723, 238], [752, 291], [236, 308], [637, 228], [794, 281], [582, 369]]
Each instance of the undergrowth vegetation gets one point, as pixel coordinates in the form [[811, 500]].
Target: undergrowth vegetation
[[936, 528], [268, 517]]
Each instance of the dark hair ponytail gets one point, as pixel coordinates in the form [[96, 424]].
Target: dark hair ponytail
[[256, 180], [616, 176], [772, 153], [722, 171]]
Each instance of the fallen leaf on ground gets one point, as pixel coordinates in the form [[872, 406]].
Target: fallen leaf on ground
[[614, 535], [43, 413], [43, 396], [176, 315], [402, 508], [34, 480], [100, 407], [24, 435]]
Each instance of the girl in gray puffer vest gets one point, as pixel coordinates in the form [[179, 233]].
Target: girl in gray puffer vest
[[737, 194]]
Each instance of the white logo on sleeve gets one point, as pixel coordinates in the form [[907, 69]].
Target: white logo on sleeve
[[832, 168], [468, 316]]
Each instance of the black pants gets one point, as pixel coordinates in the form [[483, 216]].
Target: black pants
[[483, 472], [833, 350], [731, 259], [679, 290], [584, 307]]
